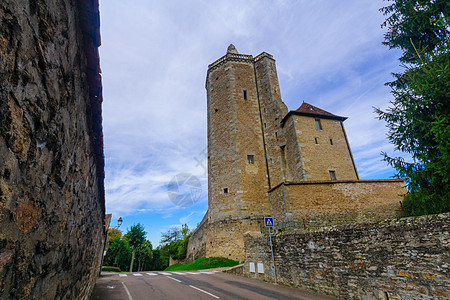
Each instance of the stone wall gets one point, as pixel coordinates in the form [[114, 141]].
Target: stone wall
[[51, 151], [312, 205], [323, 150], [395, 259]]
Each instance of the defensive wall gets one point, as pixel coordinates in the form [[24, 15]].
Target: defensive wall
[[52, 204], [394, 259], [311, 205]]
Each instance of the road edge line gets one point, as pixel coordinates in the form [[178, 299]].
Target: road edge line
[[173, 278], [126, 290], [212, 295]]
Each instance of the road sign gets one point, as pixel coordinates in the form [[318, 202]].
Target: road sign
[[268, 222]]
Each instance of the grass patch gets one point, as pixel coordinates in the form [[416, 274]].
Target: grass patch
[[204, 263], [110, 269]]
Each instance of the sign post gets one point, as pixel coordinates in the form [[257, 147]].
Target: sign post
[[268, 222], [193, 254]]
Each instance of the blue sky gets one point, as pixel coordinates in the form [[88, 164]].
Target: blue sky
[[154, 58]]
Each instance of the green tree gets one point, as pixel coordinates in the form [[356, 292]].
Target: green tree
[[174, 234], [119, 252], [185, 230], [419, 116], [144, 256], [416, 26], [113, 233], [135, 237]]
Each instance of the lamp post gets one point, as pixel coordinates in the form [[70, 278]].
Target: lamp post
[[118, 254], [119, 222]]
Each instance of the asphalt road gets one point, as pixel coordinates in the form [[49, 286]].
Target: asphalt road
[[191, 285]]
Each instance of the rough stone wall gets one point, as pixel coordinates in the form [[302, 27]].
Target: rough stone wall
[[295, 166], [234, 132], [323, 156], [396, 259], [313, 205], [51, 153], [272, 110], [198, 240]]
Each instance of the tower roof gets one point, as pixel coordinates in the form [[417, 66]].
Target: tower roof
[[309, 110], [232, 49]]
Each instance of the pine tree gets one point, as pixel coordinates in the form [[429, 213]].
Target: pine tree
[[419, 117]]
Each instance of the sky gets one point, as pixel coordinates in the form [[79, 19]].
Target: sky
[[154, 57]]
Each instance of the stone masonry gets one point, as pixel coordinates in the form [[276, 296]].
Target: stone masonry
[[262, 156], [51, 149], [394, 259]]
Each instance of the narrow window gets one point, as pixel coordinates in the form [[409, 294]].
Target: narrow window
[[245, 95], [332, 175], [331, 141], [251, 159], [264, 125], [276, 135], [316, 140], [225, 190], [318, 124]]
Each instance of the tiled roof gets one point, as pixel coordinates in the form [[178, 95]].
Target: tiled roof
[[307, 109]]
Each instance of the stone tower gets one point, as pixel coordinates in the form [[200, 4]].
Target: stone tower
[[264, 160], [236, 161]]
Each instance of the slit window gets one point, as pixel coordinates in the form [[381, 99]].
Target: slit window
[[251, 159], [225, 190], [318, 124], [245, 95], [332, 175], [316, 140], [331, 141]]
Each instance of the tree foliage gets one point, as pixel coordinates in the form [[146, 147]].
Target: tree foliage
[[136, 235], [175, 242], [119, 253], [172, 235], [419, 116], [113, 233], [416, 26]]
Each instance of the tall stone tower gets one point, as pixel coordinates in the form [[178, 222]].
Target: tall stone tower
[[236, 160], [237, 170], [265, 160]]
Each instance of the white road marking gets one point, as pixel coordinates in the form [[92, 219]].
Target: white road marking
[[217, 297], [123, 275], [179, 273], [137, 274], [207, 272], [165, 273], [173, 278], [128, 292], [192, 273], [151, 274]]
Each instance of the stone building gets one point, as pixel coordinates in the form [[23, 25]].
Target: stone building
[[264, 160], [52, 204]]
